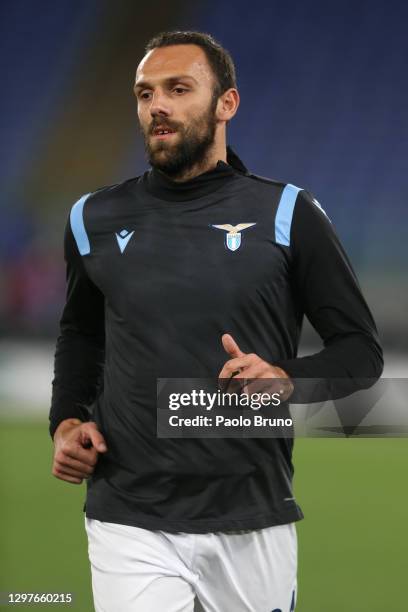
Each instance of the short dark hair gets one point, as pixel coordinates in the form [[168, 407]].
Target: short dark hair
[[219, 58]]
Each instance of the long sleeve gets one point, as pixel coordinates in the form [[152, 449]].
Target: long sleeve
[[329, 294], [80, 348]]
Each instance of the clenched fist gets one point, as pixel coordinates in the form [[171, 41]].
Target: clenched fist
[[76, 449]]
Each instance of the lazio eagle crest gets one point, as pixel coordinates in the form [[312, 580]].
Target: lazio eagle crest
[[233, 237]]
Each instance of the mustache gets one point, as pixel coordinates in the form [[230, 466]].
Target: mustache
[[165, 124]]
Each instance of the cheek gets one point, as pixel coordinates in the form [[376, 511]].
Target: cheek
[[143, 118], [196, 117]]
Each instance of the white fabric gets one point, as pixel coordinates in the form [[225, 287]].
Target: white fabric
[[137, 570]]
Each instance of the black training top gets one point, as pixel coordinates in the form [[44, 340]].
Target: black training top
[[152, 286]]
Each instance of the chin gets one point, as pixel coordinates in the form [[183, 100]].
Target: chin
[[160, 157], [161, 148]]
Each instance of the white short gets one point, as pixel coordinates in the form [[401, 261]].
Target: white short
[[137, 570]]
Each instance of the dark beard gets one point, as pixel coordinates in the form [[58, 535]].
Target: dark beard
[[191, 149]]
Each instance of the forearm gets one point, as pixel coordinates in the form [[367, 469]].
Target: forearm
[[80, 348], [353, 356], [78, 369], [346, 365], [328, 293]]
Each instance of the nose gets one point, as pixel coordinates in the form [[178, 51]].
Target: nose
[[159, 106]]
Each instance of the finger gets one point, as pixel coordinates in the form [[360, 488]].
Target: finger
[[230, 346], [245, 388], [262, 385], [64, 469], [228, 384], [90, 434], [234, 385], [252, 372], [66, 477], [75, 451], [258, 386], [270, 385], [74, 464], [233, 365]]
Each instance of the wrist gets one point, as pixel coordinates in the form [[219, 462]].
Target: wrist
[[286, 382]]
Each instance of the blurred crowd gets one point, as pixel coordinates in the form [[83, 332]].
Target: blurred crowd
[[32, 281]]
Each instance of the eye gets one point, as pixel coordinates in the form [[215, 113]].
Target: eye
[[179, 90], [144, 95]]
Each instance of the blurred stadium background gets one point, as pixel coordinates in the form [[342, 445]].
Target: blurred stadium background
[[324, 106]]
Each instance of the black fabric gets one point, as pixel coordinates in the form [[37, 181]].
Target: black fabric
[[159, 185], [159, 310], [330, 296], [80, 350]]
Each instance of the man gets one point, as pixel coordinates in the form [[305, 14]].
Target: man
[[196, 268]]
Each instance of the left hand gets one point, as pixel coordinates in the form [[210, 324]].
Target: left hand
[[251, 366]]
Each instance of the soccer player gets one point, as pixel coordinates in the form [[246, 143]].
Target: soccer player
[[197, 268]]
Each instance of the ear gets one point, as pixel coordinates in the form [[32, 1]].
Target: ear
[[227, 104]]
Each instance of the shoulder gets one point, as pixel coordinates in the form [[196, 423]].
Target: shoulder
[[105, 192], [93, 205], [289, 193], [294, 206], [288, 190], [263, 180]]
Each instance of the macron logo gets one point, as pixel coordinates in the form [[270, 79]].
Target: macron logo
[[123, 238]]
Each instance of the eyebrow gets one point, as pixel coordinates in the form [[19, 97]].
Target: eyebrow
[[168, 81]]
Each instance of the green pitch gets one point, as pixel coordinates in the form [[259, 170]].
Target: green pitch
[[353, 543]]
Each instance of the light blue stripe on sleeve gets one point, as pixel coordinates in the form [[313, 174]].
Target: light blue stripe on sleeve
[[78, 226], [284, 214]]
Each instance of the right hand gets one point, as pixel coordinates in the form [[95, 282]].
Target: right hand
[[76, 449]]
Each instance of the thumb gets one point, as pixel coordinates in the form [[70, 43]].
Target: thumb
[[231, 347], [95, 437]]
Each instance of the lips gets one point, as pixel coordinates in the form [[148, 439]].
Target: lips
[[162, 132], [163, 136]]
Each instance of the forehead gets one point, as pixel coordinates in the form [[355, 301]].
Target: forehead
[[165, 62]]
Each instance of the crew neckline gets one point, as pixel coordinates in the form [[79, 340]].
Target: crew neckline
[[160, 186]]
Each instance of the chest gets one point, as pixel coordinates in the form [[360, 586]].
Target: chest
[[192, 255]]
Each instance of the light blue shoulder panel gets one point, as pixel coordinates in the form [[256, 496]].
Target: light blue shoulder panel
[[284, 214], [78, 226]]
